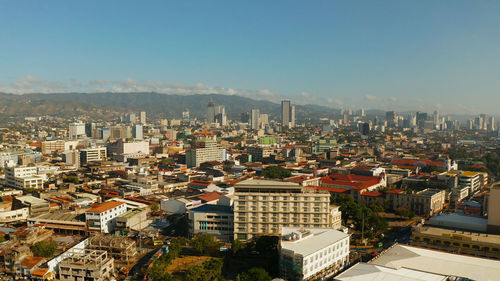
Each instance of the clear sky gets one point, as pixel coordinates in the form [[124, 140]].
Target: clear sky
[[421, 54]]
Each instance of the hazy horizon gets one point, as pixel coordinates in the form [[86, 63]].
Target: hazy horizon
[[388, 55]]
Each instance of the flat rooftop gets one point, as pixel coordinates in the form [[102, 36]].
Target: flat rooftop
[[211, 208], [469, 236], [318, 239], [365, 271], [58, 216], [437, 262]]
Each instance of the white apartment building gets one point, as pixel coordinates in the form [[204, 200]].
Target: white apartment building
[[92, 154], [101, 217], [77, 131], [211, 151], [472, 179], [312, 253], [23, 177], [264, 207]]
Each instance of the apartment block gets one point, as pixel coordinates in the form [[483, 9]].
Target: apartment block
[[85, 264], [426, 202], [264, 207], [217, 220], [92, 154], [101, 217], [208, 151], [312, 253], [24, 177]]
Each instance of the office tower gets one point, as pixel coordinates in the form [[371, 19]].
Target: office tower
[[130, 118], [210, 151], [364, 128], [142, 117], [220, 115], [76, 130], [104, 133], [362, 112], [245, 117], [421, 118], [491, 124], [263, 207], [435, 117], [185, 117], [90, 129], [484, 121], [287, 114], [392, 119], [255, 119], [211, 112], [137, 132], [264, 120]]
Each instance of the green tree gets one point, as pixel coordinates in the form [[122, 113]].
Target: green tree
[[155, 206], [254, 274], [72, 179], [45, 248], [236, 246], [276, 172], [210, 270], [158, 272], [204, 243]]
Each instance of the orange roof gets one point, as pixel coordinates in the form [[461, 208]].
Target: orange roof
[[40, 272], [371, 194], [31, 262], [394, 191], [350, 181], [207, 197], [103, 207], [329, 189]]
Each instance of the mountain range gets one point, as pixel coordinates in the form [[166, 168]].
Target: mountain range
[[155, 104]]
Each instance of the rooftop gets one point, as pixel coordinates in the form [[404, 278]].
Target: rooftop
[[210, 208], [103, 207], [437, 262], [320, 238], [365, 271], [460, 235]]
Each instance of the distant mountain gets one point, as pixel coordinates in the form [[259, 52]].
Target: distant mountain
[[160, 105]]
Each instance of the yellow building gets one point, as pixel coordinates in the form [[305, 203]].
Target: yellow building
[[463, 242]]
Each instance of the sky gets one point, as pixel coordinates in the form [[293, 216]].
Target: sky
[[403, 55]]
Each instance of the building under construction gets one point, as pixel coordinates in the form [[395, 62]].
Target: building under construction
[[85, 264], [121, 248]]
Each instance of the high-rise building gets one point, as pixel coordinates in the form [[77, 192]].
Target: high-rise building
[[142, 118], [90, 129], [287, 114], [263, 207], [264, 120], [255, 119], [245, 117], [392, 119], [185, 117], [77, 130], [130, 118], [491, 124], [137, 132], [209, 151], [211, 111]]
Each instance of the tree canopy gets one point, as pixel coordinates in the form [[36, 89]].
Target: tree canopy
[[45, 248], [254, 274], [276, 172]]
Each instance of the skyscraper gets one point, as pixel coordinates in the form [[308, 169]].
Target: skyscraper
[[255, 119], [211, 111], [287, 114], [185, 116], [142, 117]]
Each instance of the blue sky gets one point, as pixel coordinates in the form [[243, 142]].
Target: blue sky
[[421, 55]]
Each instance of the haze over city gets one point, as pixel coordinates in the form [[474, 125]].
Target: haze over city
[[405, 55]]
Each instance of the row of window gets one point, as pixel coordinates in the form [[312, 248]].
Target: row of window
[[284, 198]]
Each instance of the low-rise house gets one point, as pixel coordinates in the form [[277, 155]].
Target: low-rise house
[[101, 217]]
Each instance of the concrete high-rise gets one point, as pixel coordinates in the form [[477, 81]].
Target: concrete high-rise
[[255, 119], [142, 118], [287, 114]]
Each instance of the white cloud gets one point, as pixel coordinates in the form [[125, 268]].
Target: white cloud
[[371, 98]]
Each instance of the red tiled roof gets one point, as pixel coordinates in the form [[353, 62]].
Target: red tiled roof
[[30, 262], [211, 196], [395, 191], [329, 189], [103, 207], [350, 181], [371, 194], [414, 162]]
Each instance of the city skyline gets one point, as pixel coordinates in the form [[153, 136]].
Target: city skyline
[[411, 56]]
